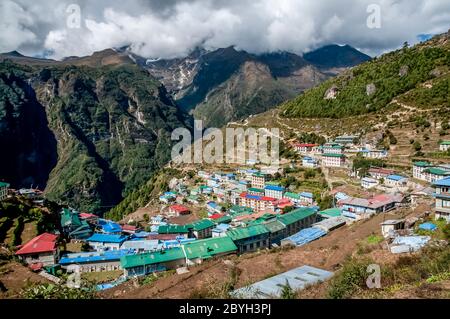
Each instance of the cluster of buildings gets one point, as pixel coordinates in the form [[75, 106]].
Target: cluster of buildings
[[430, 173], [333, 154], [116, 247]]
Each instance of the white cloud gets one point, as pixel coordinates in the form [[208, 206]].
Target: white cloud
[[173, 28]]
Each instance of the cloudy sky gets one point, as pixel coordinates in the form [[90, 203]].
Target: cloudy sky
[[171, 28]]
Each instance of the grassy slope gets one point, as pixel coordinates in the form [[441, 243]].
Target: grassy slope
[[393, 74]]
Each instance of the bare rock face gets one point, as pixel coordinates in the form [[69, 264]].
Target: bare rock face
[[331, 93], [371, 89], [435, 73], [404, 70]]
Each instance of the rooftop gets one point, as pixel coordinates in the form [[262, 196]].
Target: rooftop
[[171, 254], [396, 177], [333, 155], [104, 238], [89, 257], [201, 225], [247, 232], [331, 212], [40, 244], [272, 287], [275, 188], [296, 215], [207, 248], [443, 182], [437, 171], [173, 229]]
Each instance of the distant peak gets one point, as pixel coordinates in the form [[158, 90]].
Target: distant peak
[[14, 53]]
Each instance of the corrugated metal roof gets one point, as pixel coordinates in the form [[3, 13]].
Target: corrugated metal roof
[[305, 236], [201, 225], [104, 238], [296, 215], [173, 229], [443, 182], [207, 248], [297, 278], [152, 258], [274, 226], [90, 257], [247, 232]]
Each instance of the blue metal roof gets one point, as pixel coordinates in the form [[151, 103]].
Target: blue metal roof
[[396, 177], [443, 182], [94, 257], [274, 188], [250, 196], [428, 226], [306, 235], [104, 238], [306, 194], [109, 226]]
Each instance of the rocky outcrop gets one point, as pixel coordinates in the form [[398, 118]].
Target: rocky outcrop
[[331, 93], [89, 136]]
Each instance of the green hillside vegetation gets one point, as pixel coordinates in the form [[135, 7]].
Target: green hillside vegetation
[[89, 136], [143, 195], [371, 86], [20, 221]]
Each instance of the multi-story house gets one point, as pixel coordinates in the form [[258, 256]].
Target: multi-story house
[[419, 168], [274, 191], [333, 160], [442, 196], [259, 180]]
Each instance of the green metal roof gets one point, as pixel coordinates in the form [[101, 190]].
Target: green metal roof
[[259, 174], [173, 229], [256, 190], [207, 248], [274, 226], [240, 210], [421, 164], [131, 261], [2, 184], [331, 212], [332, 155], [437, 171], [201, 225], [445, 143], [296, 215], [70, 218], [247, 232], [292, 195], [223, 220]]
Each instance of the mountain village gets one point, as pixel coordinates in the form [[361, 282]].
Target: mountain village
[[243, 210]]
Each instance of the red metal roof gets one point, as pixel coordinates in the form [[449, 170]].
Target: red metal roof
[[179, 208], [162, 237], [36, 266], [216, 216], [40, 244], [87, 216], [282, 203], [129, 227]]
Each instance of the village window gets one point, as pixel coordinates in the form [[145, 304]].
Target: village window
[[445, 203]]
